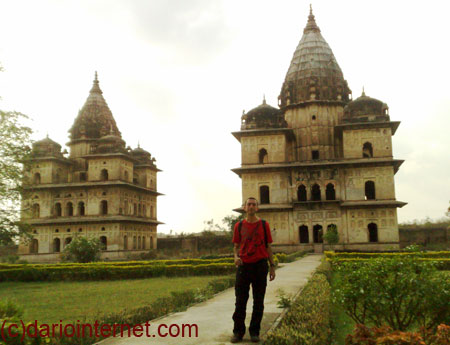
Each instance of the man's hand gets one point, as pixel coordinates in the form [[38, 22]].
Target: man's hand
[[272, 273], [237, 261]]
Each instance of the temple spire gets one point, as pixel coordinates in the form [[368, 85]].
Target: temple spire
[[264, 98], [311, 26], [363, 93], [96, 86]]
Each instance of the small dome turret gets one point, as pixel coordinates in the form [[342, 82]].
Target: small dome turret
[[263, 116], [46, 148], [365, 108]]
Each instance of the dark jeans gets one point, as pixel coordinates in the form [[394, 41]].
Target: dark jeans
[[255, 274]]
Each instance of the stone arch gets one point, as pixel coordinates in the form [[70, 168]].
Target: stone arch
[[67, 240], [103, 243], [301, 193], [151, 243], [303, 234], [369, 190], [134, 242], [367, 150], [263, 156], [36, 210], [143, 242], [330, 192], [318, 233], [58, 209], [264, 195], [56, 245], [34, 246], [81, 209], [103, 207], [125, 242], [104, 175], [315, 192], [373, 232], [69, 209], [125, 174], [37, 178]]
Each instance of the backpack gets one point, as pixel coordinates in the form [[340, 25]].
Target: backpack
[[264, 229]]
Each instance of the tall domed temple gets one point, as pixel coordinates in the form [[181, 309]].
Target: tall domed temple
[[102, 190], [321, 160]]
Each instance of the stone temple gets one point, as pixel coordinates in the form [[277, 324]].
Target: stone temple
[[321, 160], [101, 190]]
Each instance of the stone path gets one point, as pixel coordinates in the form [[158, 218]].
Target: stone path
[[213, 317]]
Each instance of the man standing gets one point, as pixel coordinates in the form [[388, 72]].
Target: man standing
[[252, 241]]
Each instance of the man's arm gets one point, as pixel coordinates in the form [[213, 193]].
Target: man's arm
[[237, 259], [271, 262]]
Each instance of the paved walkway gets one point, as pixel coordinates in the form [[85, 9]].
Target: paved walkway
[[213, 317]]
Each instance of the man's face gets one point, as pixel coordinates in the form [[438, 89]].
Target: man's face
[[251, 206]]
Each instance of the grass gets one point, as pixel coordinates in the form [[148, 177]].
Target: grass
[[49, 302]]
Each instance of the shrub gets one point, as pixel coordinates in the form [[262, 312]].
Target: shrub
[[82, 249], [308, 320], [331, 236], [401, 292]]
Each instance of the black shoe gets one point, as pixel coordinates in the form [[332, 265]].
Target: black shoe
[[254, 338], [236, 338]]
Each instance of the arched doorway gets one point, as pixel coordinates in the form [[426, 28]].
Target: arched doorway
[[303, 234]]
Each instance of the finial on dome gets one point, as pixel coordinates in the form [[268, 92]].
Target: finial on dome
[[363, 93], [96, 87], [311, 26], [139, 145], [96, 76], [47, 136], [264, 98]]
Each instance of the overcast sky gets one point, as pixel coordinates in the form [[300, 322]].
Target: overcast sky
[[177, 74]]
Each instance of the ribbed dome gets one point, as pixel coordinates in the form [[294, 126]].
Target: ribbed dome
[[314, 73], [365, 108], [263, 116], [46, 147], [95, 119]]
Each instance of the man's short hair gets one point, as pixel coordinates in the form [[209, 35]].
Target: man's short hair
[[251, 198]]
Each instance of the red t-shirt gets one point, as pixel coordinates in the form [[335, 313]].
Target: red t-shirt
[[252, 247]]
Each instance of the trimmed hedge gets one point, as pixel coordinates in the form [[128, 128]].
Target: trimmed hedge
[[111, 272], [334, 255], [441, 264], [282, 257], [308, 320]]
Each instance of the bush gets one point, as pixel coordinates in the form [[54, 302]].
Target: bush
[[363, 335], [308, 320], [401, 292], [82, 249], [332, 235]]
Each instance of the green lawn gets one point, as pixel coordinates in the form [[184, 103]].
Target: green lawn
[[67, 301]]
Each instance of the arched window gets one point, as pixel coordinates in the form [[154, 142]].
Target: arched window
[[264, 194], [367, 150], [37, 178], [36, 211], [125, 207], [135, 209], [139, 242], [151, 211], [134, 242], [104, 207], [263, 157], [81, 210], [301, 193], [104, 175], [125, 243], [330, 192], [34, 246], [151, 243], [315, 192], [373, 232], [103, 243], [69, 209], [139, 210], [143, 242], [303, 234], [57, 177], [369, 189], [125, 174], [56, 245], [58, 211], [67, 241], [318, 233], [144, 211]]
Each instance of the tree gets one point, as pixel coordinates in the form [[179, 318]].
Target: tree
[[82, 249], [332, 235], [14, 150], [231, 220]]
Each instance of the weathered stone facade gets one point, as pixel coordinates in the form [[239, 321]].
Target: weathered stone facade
[[101, 190], [321, 159]]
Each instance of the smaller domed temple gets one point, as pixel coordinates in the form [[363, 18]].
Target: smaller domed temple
[[321, 161], [101, 189]]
